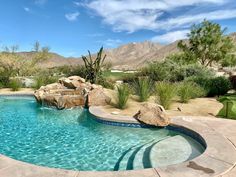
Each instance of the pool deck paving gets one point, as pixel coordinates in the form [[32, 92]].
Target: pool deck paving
[[218, 160]]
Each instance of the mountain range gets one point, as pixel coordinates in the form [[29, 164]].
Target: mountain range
[[125, 57]]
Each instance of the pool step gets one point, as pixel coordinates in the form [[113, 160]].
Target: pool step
[[137, 157], [125, 161]]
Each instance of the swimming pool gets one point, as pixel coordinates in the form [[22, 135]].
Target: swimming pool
[[73, 139]]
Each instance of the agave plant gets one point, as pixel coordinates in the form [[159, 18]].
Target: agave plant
[[94, 67]]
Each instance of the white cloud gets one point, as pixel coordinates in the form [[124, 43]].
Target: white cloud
[[170, 36], [133, 15], [78, 3], [72, 16], [188, 20], [110, 42], [26, 9]]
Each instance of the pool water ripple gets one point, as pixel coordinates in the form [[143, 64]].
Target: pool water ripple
[[72, 139]]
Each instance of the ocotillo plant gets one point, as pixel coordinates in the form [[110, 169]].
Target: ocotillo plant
[[94, 67]]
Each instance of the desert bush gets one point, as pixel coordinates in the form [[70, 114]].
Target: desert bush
[[165, 92], [214, 86], [15, 84], [1, 85], [156, 71], [42, 80], [219, 86], [123, 93], [106, 83], [78, 70], [233, 81], [143, 88], [171, 71], [189, 90]]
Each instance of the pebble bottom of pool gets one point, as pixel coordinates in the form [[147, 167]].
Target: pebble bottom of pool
[[73, 139]]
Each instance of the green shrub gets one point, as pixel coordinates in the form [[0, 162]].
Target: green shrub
[[165, 93], [1, 85], [130, 78], [106, 83], [219, 86], [233, 81], [123, 93], [143, 88], [42, 80], [189, 90], [174, 72], [15, 84], [215, 86]]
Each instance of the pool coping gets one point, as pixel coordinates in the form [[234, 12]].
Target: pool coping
[[218, 158]]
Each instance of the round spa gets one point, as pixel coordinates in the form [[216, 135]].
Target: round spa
[[74, 139]]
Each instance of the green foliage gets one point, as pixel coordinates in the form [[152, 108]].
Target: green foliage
[[215, 86], [180, 58], [207, 44], [143, 88], [78, 70], [156, 71], [229, 61], [1, 85], [219, 86], [94, 67], [233, 81], [106, 83], [189, 90], [229, 109], [44, 79], [165, 92], [123, 93], [173, 72], [15, 84]]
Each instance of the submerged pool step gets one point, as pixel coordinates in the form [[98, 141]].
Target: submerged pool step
[[125, 162], [137, 157]]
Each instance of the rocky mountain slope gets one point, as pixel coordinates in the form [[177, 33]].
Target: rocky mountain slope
[[126, 57]]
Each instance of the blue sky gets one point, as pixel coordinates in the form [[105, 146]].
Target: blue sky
[[71, 27]]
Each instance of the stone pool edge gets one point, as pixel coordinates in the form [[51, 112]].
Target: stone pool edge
[[218, 159]]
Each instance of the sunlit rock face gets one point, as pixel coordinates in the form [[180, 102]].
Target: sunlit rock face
[[152, 114], [71, 92]]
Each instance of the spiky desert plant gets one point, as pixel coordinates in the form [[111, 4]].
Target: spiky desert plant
[[189, 90], [94, 67], [165, 93], [123, 93], [143, 88]]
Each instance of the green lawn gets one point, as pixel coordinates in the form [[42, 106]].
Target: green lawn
[[229, 109], [114, 76]]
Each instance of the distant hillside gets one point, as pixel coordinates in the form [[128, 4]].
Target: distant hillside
[[129, 56]]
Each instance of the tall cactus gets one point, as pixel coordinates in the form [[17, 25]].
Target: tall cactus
[[94, 67]]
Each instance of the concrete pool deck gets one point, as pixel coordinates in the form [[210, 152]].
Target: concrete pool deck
[[218, 160]]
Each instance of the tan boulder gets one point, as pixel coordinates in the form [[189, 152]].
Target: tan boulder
[[97, 97], [71, 92], [72, 82], [152, 114]]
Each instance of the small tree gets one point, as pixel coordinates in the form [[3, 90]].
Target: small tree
[[207, 44], [13, 64], [94, 67]]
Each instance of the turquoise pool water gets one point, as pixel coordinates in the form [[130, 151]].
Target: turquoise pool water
[[72, 139]]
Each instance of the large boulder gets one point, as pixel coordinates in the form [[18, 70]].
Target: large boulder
[[97, 97], [72, 82], [152, 114], [71, 92]]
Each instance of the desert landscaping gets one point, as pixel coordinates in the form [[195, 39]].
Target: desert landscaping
[[142, 109]]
